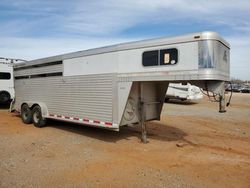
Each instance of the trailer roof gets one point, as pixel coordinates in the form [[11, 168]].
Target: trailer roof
[[207, 35]]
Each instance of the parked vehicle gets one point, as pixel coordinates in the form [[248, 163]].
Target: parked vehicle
[[183, 92], [6, 81], [117, 85], [7, 92], [236, 88], [245, 90]]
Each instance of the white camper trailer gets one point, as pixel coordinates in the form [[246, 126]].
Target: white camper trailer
[[7, 92], [122, 84], [183, 92], [6, 80]]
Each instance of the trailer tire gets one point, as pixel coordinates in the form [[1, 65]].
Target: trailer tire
[[4, 97], [26, 114], [37, 117]]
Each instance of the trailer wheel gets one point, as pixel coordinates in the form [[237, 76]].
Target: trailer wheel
[[37, 117], [4, 97], [26, 114]]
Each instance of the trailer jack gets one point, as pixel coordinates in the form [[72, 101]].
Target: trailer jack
[[142, 116], [222, 103], [143, 123]]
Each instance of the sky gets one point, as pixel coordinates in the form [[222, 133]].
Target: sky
[[32, 29]]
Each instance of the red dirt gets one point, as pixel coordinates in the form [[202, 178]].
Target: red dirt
[[192, 146]]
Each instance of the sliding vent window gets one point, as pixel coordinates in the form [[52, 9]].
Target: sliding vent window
[[150, 58], [169, 56]]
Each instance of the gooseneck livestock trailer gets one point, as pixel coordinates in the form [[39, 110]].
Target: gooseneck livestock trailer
[[118, 85]]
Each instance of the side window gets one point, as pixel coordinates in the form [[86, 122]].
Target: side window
[[168, 56], [160, 57], [5, 76], [150, 58]]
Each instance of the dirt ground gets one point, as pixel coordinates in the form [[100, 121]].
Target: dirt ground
[[192, 146]]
